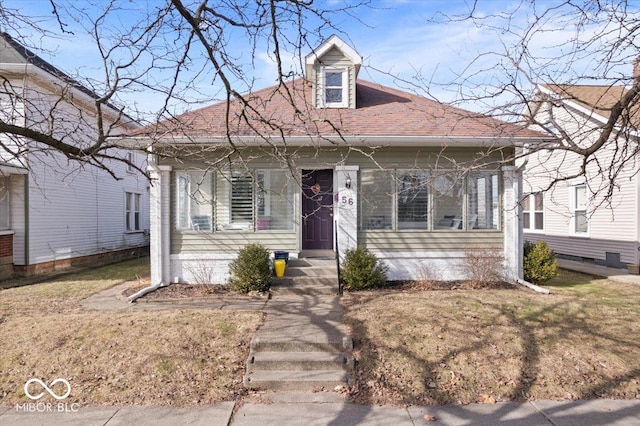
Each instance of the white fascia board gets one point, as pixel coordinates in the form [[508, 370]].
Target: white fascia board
[[370, 141]]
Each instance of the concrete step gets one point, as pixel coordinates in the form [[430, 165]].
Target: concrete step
[[304, 282], [297, 380], [294, 272], [305, 285], [312, 263], [326, 343], [299, 361]]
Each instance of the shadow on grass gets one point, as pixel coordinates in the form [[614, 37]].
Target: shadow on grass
[[562, 326]]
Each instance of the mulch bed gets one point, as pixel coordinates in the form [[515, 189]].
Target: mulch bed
[[182, 291], [449, 285]]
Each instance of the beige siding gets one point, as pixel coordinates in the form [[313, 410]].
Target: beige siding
[[387, 241], [230, 241], [612, 227]]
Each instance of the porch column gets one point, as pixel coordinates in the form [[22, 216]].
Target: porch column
[[347, 218], [160, 226], [511, 210]]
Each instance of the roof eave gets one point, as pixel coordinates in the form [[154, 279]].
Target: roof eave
[[142, 142]]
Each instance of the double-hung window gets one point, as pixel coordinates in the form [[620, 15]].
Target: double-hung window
[[533, 212], [194, 201], [579, 209], [335, 87], [132, 212]]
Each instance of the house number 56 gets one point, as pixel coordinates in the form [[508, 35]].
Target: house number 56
[[346, 200]]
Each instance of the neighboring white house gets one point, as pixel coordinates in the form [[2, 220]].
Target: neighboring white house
[[573, 217], [328, 162], [53, 211]]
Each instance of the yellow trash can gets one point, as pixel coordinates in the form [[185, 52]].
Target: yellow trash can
[[279, 265]]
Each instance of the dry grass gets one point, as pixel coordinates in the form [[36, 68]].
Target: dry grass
[[437, 347], [175, 357]]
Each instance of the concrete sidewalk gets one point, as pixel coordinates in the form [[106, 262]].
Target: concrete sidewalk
[[559, 413], [614, 274]]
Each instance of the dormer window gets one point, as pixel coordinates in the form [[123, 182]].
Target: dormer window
[[335, 88]]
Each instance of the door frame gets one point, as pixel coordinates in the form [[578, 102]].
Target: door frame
[[313, 168]]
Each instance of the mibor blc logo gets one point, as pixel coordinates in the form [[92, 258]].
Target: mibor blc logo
[[33, 385]]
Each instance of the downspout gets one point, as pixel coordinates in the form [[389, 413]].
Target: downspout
[[160, 232], [519, 279]]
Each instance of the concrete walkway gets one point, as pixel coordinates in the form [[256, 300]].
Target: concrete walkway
[[614, 274], [558, 413]]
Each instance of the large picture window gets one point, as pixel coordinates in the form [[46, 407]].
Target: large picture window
[[274, 200], [413, 199], [376, 199], [448, 200], [483, 211], [194, 201]]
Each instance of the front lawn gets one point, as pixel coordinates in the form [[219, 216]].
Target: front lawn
[[439, 347], [182, 358]]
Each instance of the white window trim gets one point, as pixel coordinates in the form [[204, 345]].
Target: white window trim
[[345, 88], [131, 158], [532, 213], [130, 213], [572, 209]]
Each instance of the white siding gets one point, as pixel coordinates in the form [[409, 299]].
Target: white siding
[[76, 210], [612, 226]]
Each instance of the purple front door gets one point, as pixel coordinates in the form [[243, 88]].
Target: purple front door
[[317, 209]]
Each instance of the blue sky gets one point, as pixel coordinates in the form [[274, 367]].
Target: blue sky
[[403, 43]]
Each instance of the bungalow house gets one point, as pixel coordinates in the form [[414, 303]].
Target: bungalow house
[[327, 162], [575, 217], [55, 211]]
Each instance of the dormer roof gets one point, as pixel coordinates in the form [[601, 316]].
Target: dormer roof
[[332, 42]]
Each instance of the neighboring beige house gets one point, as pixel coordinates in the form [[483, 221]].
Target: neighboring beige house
[[53, 211], [328, 162], [573, 217]]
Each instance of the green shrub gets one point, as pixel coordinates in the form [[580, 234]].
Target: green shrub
[[251, 270], [539, 262], [361, 269]]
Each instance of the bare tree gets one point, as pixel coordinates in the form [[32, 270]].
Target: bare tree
[[547, 51], [179, 53]]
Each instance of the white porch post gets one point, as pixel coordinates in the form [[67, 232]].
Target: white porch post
[[160, 226], [511, 210], [347, 218]]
